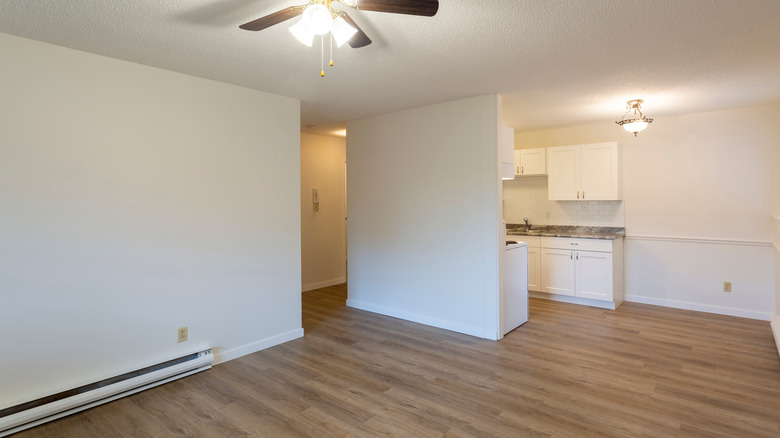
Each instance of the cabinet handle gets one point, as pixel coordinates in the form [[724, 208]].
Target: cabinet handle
[[578, 194], [571, 255], [517, 171], [578, 256], [575, 244], [583, 194]]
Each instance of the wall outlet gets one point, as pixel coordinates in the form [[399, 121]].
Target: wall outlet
[[182, 334], [726, 286]]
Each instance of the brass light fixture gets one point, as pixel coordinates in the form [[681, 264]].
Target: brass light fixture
[[638, 122]]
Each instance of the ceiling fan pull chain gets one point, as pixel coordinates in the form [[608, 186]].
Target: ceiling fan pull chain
[[322, 56], [331, 49]]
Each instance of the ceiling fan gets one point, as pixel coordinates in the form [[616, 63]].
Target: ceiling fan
[[320, 17]]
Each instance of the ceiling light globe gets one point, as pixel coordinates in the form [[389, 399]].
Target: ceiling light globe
[[301, 33], [317, 19], [635, 126]]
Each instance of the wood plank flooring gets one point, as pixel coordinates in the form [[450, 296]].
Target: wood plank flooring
[[571, 371]]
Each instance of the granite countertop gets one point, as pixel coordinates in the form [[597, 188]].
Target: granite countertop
[[609, 233]]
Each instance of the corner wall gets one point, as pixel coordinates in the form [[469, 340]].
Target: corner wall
[[698, 192], [323, 235], [134, 201], [424, 193]]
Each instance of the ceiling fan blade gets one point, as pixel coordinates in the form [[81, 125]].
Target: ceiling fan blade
[[360, 38], [275, 18], [427, 8]]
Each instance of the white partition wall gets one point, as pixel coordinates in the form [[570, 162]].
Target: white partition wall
[[134, 201], [423, 193]]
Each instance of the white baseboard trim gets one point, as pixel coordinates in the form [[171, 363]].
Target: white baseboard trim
[[776, 330], [422, 319], [221, 355], [698, 307], [573, 300], [326, 283]]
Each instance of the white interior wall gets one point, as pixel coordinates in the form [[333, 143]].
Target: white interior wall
[[424, 192], [323, 235], [134, 201], [697, 192]]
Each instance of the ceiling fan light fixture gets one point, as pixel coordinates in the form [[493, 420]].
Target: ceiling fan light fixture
[[301, 33], [342, 31], [638, 122], [318, 19]]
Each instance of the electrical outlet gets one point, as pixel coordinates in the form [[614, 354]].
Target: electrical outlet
[[182, 333], [726, 286]]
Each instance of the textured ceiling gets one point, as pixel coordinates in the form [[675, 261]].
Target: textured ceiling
[[557, 62]]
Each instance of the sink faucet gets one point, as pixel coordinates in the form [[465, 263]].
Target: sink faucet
[[527, 225]]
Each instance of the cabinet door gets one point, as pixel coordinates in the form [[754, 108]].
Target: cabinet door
[[532, 161], [564, 173], [558, 271], [517, 163], [599, 165], [534, 269], [593, 275]]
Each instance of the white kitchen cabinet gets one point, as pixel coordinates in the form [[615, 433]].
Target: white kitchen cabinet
[[531, 162], [593, 275], [534, 261], [558, 271], [590, 269], [563, 170], [507, 152], [587, 172]]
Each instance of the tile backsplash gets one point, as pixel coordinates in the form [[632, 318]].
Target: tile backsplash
[[527, 197]]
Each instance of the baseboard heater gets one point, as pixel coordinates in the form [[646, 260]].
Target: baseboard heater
[[35, 412]]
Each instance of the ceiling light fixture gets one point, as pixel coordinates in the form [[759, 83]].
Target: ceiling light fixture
[[319, 18], [638, 122]]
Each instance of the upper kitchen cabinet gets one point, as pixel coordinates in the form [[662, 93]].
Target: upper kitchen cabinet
[[587, 172], [506, 152], [530, 162]]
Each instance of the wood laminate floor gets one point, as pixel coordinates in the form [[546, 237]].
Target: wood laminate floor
[[571, 371]]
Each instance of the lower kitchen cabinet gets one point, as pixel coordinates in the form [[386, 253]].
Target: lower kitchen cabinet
[[534, 261], [590, 269], [558, 272]]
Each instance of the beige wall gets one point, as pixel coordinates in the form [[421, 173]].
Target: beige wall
[[134, 201], [323, 237], [698, 196]]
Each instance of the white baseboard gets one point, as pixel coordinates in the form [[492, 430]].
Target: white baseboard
[[698, 307], [326, 283], [222, 355], [776, 330], [423, 319], [573, 300]]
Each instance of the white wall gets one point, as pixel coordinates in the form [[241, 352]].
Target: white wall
[[323, 236], [424, 191], [698, 191], [134, 201]]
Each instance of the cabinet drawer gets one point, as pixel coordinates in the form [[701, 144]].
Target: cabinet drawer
[[532, 241], [601, 245]]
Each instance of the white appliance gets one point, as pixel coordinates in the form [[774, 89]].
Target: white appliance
[[515, 285]]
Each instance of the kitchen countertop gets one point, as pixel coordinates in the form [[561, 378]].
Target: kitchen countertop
[[609, 233]]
